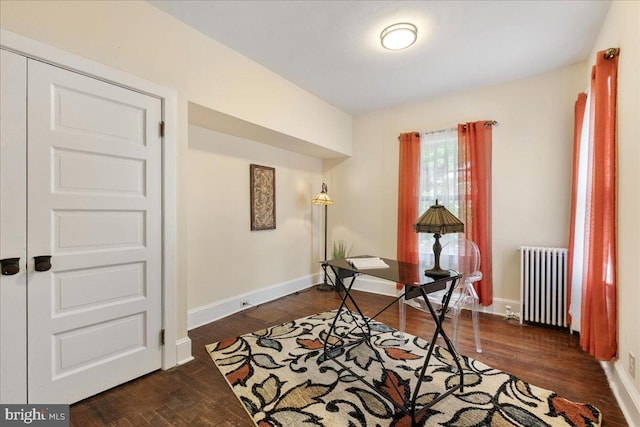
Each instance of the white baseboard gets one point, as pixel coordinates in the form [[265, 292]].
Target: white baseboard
[[183, 351], [209, 313], [384, 287], [499, 306], [374, 286], [624, 391]]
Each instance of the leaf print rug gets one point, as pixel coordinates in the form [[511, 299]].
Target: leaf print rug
[[280, 376]]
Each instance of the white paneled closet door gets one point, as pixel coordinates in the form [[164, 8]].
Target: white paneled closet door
[[13, 227], [93, 204]]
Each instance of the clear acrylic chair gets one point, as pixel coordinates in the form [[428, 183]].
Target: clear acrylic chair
[[464, 256]]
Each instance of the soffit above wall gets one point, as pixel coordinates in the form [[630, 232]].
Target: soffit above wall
[[220, 122]]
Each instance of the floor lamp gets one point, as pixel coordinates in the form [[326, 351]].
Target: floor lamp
[[323, 199]]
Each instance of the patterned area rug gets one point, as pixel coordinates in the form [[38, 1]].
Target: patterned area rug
[[280, 377]]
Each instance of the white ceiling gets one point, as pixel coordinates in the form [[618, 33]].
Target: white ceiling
[[332, 48]]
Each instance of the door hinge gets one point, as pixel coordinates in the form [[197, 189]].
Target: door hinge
[[162, 337], [162, 129]]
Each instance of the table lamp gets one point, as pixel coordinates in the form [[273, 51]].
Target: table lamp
[[438, 220], [323, 199]]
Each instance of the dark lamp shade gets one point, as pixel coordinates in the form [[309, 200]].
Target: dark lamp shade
[[437, 219]]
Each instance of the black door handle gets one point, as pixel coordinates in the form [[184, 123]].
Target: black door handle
[[43, 262], [10, 266]]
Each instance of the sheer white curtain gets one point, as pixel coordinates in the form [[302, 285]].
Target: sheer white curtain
[[438, 180], [577, 271]]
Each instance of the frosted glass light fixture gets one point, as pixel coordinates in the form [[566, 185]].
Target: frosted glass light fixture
[[399, 36]]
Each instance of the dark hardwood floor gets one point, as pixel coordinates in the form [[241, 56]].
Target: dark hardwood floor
[[196, 393]]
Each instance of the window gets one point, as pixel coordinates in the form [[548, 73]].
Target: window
[[575, 308], [438, 180], [447, 165]]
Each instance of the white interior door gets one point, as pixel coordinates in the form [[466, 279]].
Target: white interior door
[[94, 206], [13, 227]]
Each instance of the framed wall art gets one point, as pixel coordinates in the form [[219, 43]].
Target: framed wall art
[[262, 183]]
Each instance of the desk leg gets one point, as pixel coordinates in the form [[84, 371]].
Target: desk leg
[[365, 327], [402, 314], [330, 349], [343, 305], [332, 285], [439, 320]]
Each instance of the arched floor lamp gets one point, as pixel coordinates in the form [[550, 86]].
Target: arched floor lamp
[[323, 199]]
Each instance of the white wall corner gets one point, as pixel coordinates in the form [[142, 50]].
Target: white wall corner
[[624, 391], [183, 351], [211, 312]]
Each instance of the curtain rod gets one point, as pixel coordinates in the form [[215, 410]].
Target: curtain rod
[[440, 130], [486, 124], [417, 134]]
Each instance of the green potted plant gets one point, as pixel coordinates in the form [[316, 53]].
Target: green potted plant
[[341, 251]]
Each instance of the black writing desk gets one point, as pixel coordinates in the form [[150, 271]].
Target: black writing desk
[[415, 284]]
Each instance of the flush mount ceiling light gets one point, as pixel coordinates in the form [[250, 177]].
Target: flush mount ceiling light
[[398, 36]]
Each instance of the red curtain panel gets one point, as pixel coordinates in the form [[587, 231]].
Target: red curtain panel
[[599, 293], [408, 175], [474, 160]]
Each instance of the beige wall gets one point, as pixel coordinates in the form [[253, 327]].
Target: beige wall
[[135, 37], [622, 29], [226, 258], [532, 149]]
